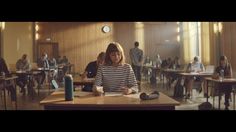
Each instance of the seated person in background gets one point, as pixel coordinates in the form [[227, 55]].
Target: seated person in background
[[22, 64], [147, 70], [166, 63], [175, 64], [195, 66], [148, 61], [169, 61], [58, 60], [115, 75], [10, 87], [53, 65], [65, 62], [225, 67], [42, 63], [158, 61], [91, 70]]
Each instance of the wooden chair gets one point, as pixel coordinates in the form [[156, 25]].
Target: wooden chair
[[34, 66], [12, 67]]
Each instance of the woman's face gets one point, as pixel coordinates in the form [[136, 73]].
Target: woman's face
[[223, 63], [115, 57]]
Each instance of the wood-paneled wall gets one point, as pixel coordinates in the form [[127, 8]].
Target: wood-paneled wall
[[17, 40], [82, 41], [228, 41], [154, 37]]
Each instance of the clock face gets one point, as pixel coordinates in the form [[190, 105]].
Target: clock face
[[106, 29]]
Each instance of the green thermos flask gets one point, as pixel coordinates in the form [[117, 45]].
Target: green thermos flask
[[69, 89]]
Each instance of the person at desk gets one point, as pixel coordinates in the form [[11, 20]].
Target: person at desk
[[53, 65], [175, 64], [59, 60], [42, 63], [224, 66], [197, 67], [65, 62], [166, 63], [91, 70], [147, 70], [22, 64], [115, 75], [157, 61], [10, 87]]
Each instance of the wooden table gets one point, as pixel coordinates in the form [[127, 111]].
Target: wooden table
[[62, 66], [30, 77], [170, 72], [201, 74], [4, 80], [47, 72], [230, 81], [87, 101], [80, 81], [154, 70]]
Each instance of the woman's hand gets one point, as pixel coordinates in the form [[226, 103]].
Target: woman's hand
[[126, 90], [215, 76], [84, 75], [97, 90]]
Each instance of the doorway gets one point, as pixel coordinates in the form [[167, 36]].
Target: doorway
[[51, 48]]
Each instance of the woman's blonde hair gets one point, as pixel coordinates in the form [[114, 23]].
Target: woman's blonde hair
[[224, 58], [114, 47]]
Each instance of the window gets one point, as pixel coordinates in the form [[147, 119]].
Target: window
[[191, 40]]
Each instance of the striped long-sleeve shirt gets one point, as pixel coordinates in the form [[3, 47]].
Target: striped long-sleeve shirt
[[114, 78]]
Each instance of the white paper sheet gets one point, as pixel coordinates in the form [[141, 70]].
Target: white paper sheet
[[113, 94]]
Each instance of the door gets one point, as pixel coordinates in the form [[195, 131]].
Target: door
[[51, 48]]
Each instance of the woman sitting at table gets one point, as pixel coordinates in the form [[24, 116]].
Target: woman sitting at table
[[196, 66], [115, 75], [227, 69], [91, 70], [22, 64]]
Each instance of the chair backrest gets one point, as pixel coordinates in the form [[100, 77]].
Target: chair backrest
[[12, 67], [210, 68], [184, 67], [34, 66], [234, 74]]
